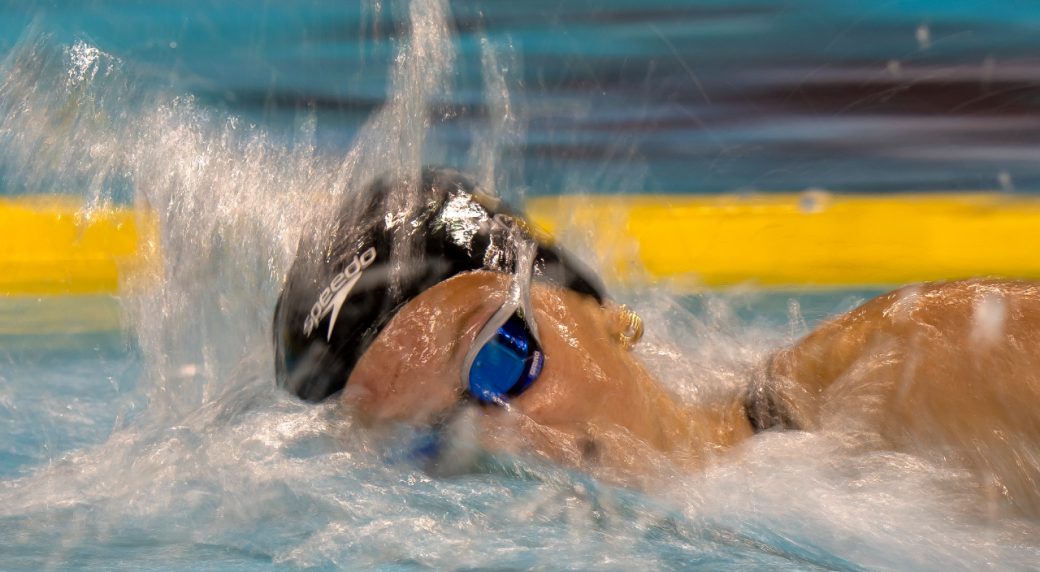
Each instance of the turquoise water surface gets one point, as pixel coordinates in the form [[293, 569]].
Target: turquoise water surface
[[144, 432]]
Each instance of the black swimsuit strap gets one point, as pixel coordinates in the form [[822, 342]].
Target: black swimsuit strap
[[764, 406]]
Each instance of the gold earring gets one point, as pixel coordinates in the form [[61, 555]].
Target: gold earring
[[631, 327]]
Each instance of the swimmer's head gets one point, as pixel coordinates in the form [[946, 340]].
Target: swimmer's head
[[383, 249]]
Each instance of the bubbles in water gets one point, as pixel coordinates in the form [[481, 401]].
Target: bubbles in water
[[83, 60]]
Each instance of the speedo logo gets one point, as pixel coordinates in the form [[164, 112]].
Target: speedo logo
[[335, 294]]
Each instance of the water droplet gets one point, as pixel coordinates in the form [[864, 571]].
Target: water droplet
[[989, 67], [82, 60], [812, 201], [988, 320], [924, 36], [1006, 183]]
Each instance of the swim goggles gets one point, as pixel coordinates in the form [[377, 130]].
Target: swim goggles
[[506, 356]]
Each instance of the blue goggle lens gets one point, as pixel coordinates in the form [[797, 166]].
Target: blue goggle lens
[[507, 364]]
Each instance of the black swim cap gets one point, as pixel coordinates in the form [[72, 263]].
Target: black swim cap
[[343, 288]]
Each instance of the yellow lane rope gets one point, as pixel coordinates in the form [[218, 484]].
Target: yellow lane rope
[[805, 239], [54, 245]]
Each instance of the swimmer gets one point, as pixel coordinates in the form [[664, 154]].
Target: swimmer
[[411, 314]]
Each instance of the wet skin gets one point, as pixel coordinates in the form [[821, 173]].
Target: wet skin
[[948, 370], [593, 402]]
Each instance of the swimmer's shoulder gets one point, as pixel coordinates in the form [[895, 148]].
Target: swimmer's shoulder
[[791, 382]]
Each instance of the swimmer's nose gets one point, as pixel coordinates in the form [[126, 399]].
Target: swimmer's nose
[[371, 406], [385, 390]]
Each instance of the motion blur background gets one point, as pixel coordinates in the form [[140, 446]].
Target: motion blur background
[[665, 96]]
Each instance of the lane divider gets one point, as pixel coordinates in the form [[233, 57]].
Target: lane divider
[[53, 245], [813, 239]]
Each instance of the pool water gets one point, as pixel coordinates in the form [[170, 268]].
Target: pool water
[[101, 470], [144, 431]]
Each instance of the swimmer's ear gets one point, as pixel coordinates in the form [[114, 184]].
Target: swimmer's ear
[[624, 325]]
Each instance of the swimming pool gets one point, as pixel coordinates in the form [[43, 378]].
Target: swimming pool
[[105, 468], [144, 432]]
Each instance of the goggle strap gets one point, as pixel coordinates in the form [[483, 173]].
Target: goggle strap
[[523, 285]]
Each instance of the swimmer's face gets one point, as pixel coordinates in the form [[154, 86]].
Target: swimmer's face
[[592, 402]]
